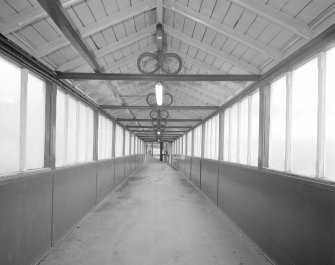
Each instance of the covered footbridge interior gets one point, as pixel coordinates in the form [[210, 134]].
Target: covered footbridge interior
[[167, 132]]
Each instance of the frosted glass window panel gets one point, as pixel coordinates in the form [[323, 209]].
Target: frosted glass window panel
[[132, 143], [135, 145], [226, 135], [34, 156], [89, 140], [304, 118], [127, 143], [107, 138], [100, 137], [197, 141], [110, 151], [329, 170], [233, 133], [71, 131], [206, 143], [277, 132], [254, 129], [60, 128], [215, 137], [82, 134], [10, 91], [244, 131], [119, 141], [189, 143]]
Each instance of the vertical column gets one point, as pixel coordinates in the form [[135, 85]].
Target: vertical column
[[321, 115], [50, 125], [161, 150]]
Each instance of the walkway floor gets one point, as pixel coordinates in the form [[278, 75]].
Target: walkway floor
[[156, 218]]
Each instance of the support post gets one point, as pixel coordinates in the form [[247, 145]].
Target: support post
[[161, 150]]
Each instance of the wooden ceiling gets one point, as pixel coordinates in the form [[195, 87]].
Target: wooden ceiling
[[211, 37]]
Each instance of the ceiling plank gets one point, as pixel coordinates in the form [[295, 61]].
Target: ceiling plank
[[50, 47], [125, 41], [116, 18], [223, 29], [95, 27], [130, 58], [29, 16], [276, 17], [209, 49], [159, 12]]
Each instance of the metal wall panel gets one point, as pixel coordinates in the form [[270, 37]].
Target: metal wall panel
[[25, 218], [187, 167], [209, 178], [119, 170], [127, 166], [133, 163], [105, 178], [74, 196], [292, 220], [195, 171]]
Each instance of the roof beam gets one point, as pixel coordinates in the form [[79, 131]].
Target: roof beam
[[115, 107], [168, 120], [276, 17], [209, 49], [29, 16], [156, 77], [165, 131], [147, 127], [223, 29]]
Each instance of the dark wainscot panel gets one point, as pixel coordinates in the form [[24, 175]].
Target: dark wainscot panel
[[119, 170], [209, 178], [25, 218], [292, 220], [105, 179], [74, 196]]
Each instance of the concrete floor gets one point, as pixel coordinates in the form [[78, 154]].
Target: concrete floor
[[156, 218]]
